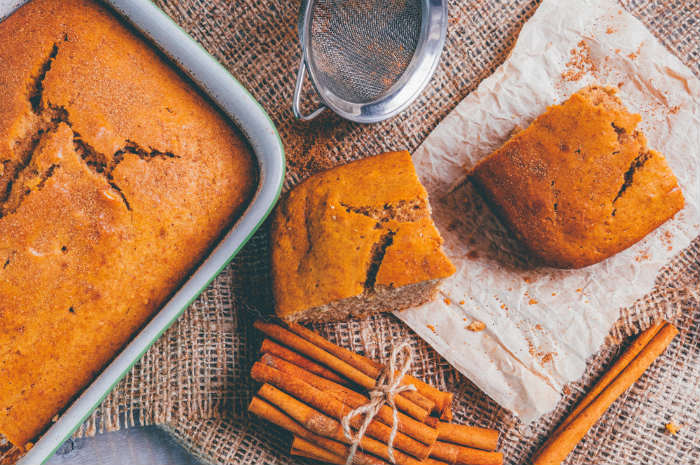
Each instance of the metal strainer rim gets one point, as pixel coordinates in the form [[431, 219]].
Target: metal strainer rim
[[402, 93]]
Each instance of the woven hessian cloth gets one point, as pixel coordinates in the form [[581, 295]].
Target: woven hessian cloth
[[194, 381]]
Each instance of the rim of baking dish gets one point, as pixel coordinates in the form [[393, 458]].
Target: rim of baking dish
[[259, 130]]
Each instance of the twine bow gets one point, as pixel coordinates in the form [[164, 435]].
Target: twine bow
[[387, 386]]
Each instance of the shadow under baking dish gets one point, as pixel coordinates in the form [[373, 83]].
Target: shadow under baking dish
[[259, 131]]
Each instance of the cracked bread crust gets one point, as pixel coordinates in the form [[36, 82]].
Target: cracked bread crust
[[116, 177], [355, 240], [579, 184]]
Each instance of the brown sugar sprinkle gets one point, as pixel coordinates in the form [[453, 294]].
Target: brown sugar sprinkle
[[476, 326], [432, 328], [580, 63], [532, 301]]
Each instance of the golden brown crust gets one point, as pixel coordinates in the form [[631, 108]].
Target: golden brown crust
[[345, 230], [116, 178], [580, 184]]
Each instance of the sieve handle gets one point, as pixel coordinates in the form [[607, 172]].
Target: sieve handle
[[297, 95]]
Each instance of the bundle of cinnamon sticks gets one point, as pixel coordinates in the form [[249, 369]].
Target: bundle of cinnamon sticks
[[311, 384]]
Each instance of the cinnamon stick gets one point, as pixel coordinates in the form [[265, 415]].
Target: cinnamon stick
[[269, 412], [411, 427], [459, 455], [301, 447], [270, 347], [322, 425], [318, 354], [440, 400], [471, 436], [576, 426], [332, 407]]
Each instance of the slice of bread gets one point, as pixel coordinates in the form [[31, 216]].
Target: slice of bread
[[356, 240], [579, 184]]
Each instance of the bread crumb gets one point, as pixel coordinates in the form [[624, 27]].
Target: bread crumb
[[672, 428], [476, 326], [609, 30], [579, 290], [532, 301], [538, 327], [461, 302], [448, 301], [553, 294], [432, 328], [580, 63]]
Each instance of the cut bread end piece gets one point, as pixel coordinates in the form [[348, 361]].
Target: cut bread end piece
[[356, 240], [381, 299]]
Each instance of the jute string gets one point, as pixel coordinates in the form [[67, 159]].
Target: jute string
[[388, 385]]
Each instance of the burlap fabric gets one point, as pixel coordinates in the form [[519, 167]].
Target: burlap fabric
[[194, 380]]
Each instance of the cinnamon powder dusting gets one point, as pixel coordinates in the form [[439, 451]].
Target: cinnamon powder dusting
[[580, 63]]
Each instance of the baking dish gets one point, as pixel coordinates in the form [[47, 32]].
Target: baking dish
[[230, 96]]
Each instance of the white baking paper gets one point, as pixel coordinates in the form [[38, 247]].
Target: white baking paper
[[542, 324]]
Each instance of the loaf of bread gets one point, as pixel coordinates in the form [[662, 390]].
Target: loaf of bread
[[579, 184], [355, 240], [116, 178]]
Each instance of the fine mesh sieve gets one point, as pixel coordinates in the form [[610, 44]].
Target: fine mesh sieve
[[368, 59]]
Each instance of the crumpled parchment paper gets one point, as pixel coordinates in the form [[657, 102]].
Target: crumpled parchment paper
[[541, 323]]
